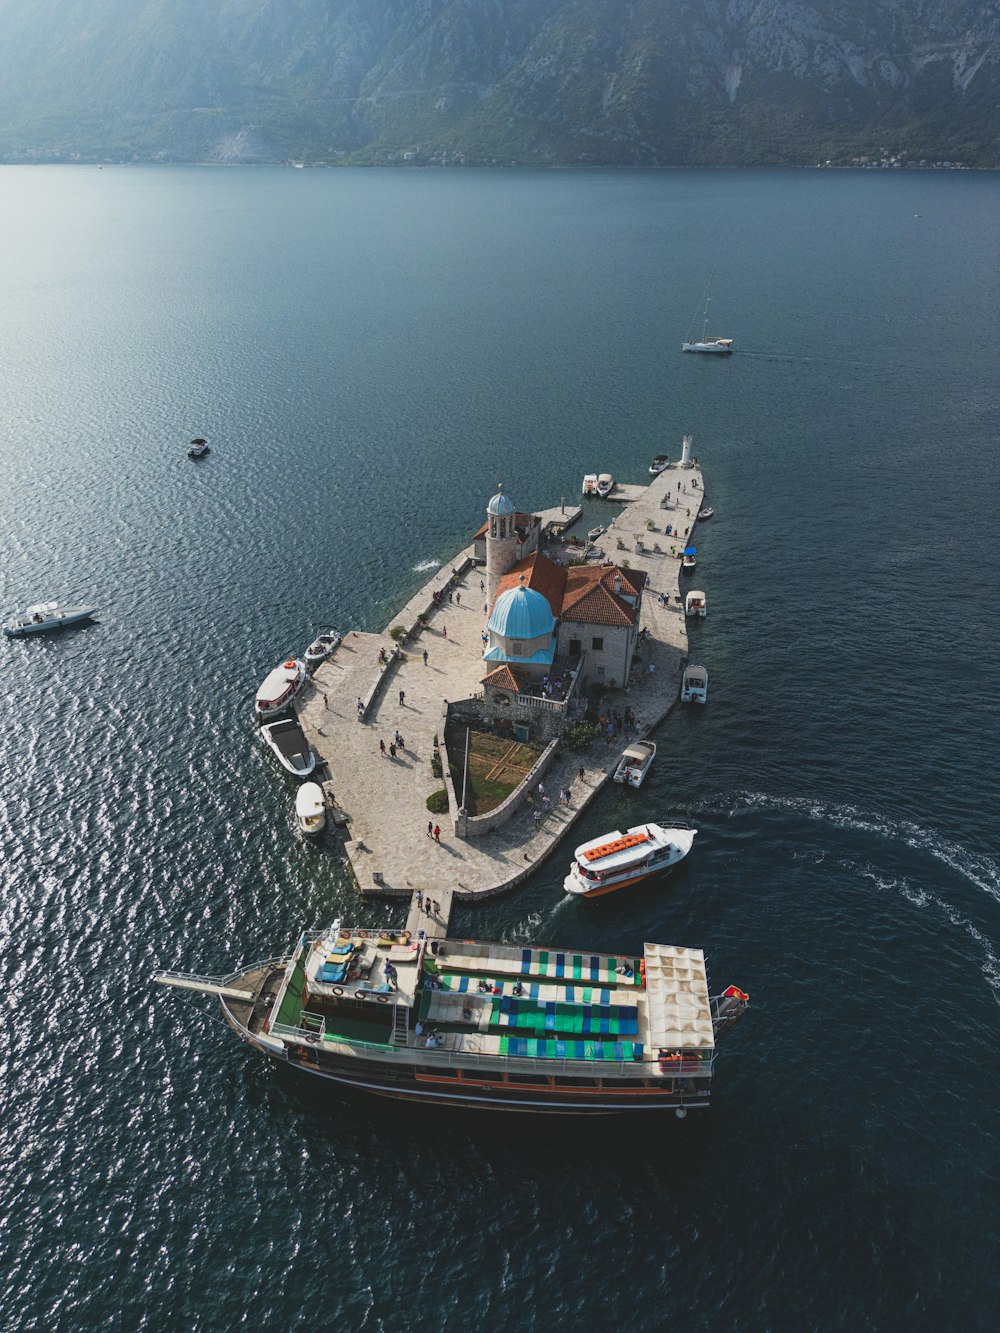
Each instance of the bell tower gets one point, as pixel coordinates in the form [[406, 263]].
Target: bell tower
[[501, 542]]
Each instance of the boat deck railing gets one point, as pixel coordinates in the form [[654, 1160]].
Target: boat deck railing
[[540, 1065]]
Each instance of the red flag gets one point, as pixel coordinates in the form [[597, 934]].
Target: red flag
[[736, 993]]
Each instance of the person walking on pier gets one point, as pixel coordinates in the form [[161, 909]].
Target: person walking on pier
[[381, 746], [402, 698], [437, 833], [430, 833], [420, 899], [392, 749], [326, 702], [425, 657]]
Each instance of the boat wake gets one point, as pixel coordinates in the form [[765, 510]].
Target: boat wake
[[923, 898], [425, 565], [980, 870]]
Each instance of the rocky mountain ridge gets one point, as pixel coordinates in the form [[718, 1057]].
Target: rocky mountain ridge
[[556, 82]]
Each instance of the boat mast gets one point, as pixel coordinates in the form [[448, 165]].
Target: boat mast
[[708, 302]]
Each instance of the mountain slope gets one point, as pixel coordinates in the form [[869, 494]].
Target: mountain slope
[[552, 81]]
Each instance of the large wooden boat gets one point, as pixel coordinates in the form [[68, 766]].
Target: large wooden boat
[[490, 1026]]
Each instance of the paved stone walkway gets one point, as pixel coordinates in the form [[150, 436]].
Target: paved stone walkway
[[385, 798]]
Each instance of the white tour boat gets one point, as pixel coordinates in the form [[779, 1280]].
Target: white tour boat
[[590, 484], [694, 684], [310, 808], [694, 604], [198, 448], [44, 618], [617, 860], [605, 485], [287, 739], [280, 687], [720, 346], [659, 464], [321, 648], [706, 513], [635, 763]]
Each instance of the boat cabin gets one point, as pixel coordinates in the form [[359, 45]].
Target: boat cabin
[[694, 604], [694, 684]]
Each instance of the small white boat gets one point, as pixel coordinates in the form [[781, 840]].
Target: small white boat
[[594, 533], [694, 604], [706, 513], [694, 684], [310, 808], [590, 483], [321, 648], [198, 448], [45, 618], [720, 346], [635, 763], [605, 485], [617, 860], [288, 742], [658, 464], [689, 559], [280, 687]]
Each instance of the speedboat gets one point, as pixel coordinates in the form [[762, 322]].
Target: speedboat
[[694, 684], [44, 618], [658, 464], [310, 807], [321, 648], [689, 559], [198, 448], [617, 860], [605, 485], [706, 513], [694, 604], [280, 687], [287, 739], [635, 763], [590, 483]]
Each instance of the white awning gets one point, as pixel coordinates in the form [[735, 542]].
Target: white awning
[[677, 1003]]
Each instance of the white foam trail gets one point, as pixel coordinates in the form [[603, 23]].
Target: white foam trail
[[425, 565], [980, 870]]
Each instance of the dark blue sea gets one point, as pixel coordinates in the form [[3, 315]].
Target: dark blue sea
[[370, 353]]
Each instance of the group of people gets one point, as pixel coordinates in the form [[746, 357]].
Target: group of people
[[425, 903], [397, 743], [433, 1037]]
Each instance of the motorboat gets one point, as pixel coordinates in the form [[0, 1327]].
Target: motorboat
[[605, 485], [658, 464], [694, 684], [321, 648], [198, 448], [720, 346], [635, 763], [287, 739], [694, 604], [280, 687], [590, 484], [45, 618], [689, 559], [617, 860], [706, 513], [310, 808]]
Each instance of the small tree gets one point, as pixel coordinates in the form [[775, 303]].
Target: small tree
[[437, 802], [582, 734], [397, 633]]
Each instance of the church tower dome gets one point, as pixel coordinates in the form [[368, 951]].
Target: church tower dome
[[501, 541]]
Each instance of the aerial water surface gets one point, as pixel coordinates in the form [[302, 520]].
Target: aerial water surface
[[370, 353]]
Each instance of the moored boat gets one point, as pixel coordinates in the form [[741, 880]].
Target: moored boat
[[594, 533], [321, 647], [590, 483], [694, 684], [286, 739], [45, 618], [706, 513], [279, 688], [478, 1025], [310, 808], [689, 559], [618, 860], [695, 604], [658, 464], [605, 485], [635, 763]]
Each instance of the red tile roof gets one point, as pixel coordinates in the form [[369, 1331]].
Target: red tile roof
[[507, 677], [540, 574], [590, 596]]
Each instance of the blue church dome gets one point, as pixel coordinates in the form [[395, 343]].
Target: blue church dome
[[521, 613], [500, 504]]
